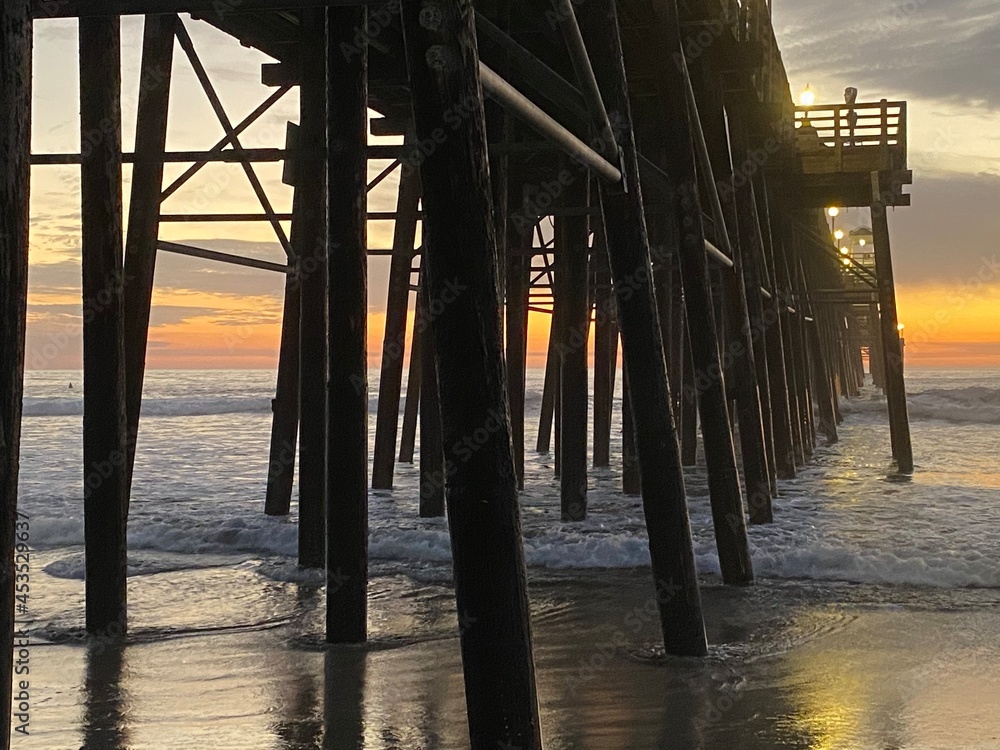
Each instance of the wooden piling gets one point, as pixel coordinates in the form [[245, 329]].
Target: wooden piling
[[15, 155], [432, 464], [411, 406], [462, 266], [104, 429], [572, 236], [347, 389], [892, 352], [311, 268], [550, 382], [689, 398], [624, 224], [631, 478], [394, 341], [876, 368], [518, 281], [285, 406], [144, 210], [605, 352]]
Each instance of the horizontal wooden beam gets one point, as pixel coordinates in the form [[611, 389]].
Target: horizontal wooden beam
[[236, 260], [228, 156]]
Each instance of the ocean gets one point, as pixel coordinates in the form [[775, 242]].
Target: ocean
[[874, 623]]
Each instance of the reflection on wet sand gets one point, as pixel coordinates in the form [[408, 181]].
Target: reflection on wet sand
[[344, 698], [107, 708]]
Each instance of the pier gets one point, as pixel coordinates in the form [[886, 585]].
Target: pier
[[635, 170]]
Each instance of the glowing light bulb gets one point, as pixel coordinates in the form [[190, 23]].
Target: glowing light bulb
[[833, 211], [846, 261], [839, 234], [845, 251], [808, 97], [900, 327], [862, 242]]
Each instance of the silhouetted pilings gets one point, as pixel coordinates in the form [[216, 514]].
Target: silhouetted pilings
[[680, 318]]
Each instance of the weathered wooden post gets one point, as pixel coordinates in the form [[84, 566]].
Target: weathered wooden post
[[631, 480], [432, 464], [347, 391], [689, 398], [394, 341], [572, 250], [462, 266], [605, 352], [15, 156], [411, 406], [875, 366], [517, 289], [144, 210], [663, 495], [899, 421], [311, 268], [105, 460], [550, 383], [285, 406]]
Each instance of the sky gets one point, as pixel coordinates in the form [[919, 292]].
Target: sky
[[939, 55]]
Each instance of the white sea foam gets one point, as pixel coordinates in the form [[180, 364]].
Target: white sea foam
[[199, 490], [968, 405]]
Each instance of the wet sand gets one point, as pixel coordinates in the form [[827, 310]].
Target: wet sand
[[792, 666]]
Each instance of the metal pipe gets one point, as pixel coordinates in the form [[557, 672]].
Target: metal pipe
[[585, 77], [545, 125], [717, 255]]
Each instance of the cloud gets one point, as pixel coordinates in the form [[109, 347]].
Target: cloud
[[944, 50]]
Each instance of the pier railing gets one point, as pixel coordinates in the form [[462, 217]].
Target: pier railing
[[851, 138]]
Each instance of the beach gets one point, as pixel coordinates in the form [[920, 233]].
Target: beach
[[874, 622]]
